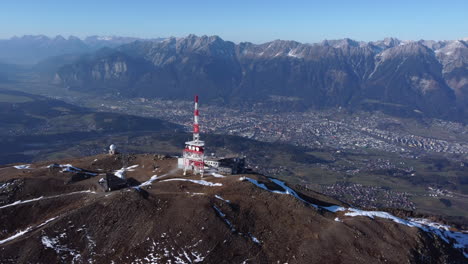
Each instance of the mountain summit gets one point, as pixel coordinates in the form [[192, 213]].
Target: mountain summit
[[58, 212]]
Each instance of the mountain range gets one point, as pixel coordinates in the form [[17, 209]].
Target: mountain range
[[410, 78], [30, 49]]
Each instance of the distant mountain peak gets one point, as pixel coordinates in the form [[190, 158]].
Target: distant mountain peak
[[31, 49], [59, 38], [391, 41], [405, 49]]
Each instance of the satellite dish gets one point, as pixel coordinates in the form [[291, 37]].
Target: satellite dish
[[112, 147]]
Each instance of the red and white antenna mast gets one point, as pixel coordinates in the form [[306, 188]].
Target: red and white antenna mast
[[194, 152], [196, 126]]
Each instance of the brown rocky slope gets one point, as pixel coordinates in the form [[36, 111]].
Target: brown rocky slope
[[46, 217]]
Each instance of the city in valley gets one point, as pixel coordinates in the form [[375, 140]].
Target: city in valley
[[314, 128], [356, 150]]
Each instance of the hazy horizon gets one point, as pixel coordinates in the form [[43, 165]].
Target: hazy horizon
[[67, 36], [256, 22]]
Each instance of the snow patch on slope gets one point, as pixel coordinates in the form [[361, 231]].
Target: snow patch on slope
[[380, 214], [223, 216], [43, 198], [22, 167], [217, 175], [254, 239], [153, 178], [163, 251], [70, 168], [287, 190], [18, 234], [334, 208], [459, 239], [232, 228], [201, 182], [222, 199], [259, 185], [293, 53], [21, 233], [148, 182], [5, 185], [54, 244], [291, 191], [121, 173]]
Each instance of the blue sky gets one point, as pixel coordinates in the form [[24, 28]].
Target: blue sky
[[239, 20]]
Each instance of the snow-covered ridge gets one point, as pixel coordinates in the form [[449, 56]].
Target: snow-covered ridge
[[459, 239]]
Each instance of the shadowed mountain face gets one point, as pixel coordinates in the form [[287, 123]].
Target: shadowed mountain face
[[27, 114], [402, 77], [28, 121], [410, 75]]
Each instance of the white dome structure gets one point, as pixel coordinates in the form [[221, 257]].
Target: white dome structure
[[112, 149]]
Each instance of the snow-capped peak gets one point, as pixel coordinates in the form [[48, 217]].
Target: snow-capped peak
[[105, 38]]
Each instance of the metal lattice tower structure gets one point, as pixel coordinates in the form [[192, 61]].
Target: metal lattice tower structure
[[194, 152]]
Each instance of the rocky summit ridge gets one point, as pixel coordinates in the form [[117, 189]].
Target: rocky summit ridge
[[57, 212]]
